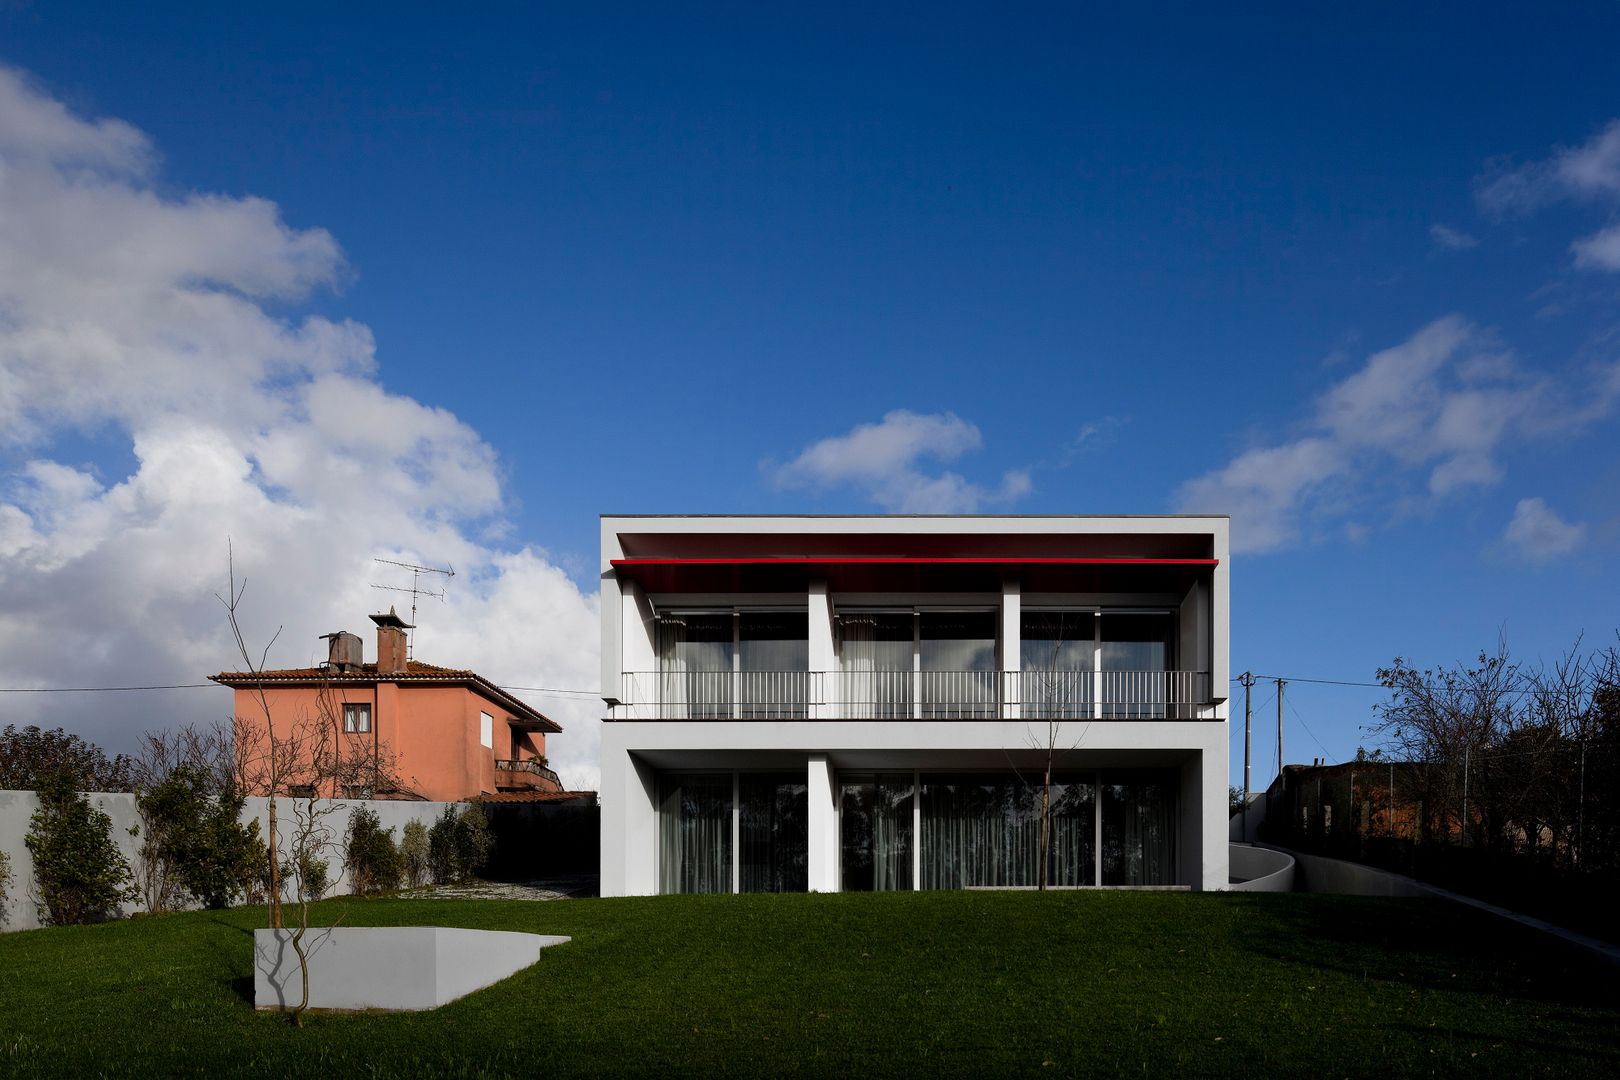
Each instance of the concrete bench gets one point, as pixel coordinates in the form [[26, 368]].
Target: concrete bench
[[388, 967]]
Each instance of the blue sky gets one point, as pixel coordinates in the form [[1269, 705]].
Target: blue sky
[[1343, 274]]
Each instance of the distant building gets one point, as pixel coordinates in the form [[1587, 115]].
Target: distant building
[[451, 734]]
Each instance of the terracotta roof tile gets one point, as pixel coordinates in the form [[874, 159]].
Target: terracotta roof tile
[[538, 797], [415, 672]]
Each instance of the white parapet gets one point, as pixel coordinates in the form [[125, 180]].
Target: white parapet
[[388, 967]]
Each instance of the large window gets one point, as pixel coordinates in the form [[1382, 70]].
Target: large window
[[1110, 665], [774, 833], [694, 833], [929, 664], [876, 654], [986, 829], [1058, 663], [773, 659], [875, 823], [1134, 653], [705, 817], [728, 664], [1139, 829], [957, 657]]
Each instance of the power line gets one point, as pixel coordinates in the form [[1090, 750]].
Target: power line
[[209, 685], [99, 689]]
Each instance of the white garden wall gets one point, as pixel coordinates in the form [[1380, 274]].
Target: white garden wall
[[17, 807]]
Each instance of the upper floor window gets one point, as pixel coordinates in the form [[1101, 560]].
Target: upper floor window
[[356, 718], [734, 664], [898, 664]]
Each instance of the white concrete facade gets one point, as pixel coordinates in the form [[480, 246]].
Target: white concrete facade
[[998, 567]]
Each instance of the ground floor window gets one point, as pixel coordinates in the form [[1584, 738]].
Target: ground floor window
[[875, 824], [694, 825], [774, 833], [704, 817], [749, 831], [985, 829], [1139, 829]]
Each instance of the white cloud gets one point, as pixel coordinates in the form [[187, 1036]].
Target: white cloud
[[882, 461], [1589, 173], [127, 309], [1440, 406], [1600, 251], [1451, 239], [1539, 534]]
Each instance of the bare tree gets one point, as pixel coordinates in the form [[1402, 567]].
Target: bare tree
[[1443, 718], [307, 762], [1056, 696]]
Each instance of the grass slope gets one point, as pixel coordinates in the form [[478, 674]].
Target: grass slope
[[911, 984]]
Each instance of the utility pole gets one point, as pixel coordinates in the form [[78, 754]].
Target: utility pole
[[1465, 798], [1247, 679], [1280, 759]]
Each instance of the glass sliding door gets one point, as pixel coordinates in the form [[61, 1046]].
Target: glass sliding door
[[694, 833], [774, 833], [984, 829], [1139, 828], [694, 664], [1057, 664], [1135, 658], [957, 656], [773, 660], [875, 827], [875, 661]]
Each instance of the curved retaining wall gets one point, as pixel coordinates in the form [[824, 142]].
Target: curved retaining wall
[[1255, 869]]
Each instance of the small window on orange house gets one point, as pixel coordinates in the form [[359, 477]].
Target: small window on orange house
[[356, 718]]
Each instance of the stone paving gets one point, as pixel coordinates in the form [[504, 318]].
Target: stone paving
[[551, 889]]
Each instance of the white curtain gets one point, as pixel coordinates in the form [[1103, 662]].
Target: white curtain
[[694, 825], [985, 830], [1139, 830], [672, 667], [857, 652]]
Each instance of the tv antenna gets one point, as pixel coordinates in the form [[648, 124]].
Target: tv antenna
[[416, 590]]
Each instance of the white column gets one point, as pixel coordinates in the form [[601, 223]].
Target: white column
[[823, 824], [1012, 631], [823, 657], [629, 821]]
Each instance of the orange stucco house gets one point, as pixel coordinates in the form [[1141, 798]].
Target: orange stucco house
[[452, 734]]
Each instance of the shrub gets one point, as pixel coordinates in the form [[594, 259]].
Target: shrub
[[5, 882], [442, 848], [414, 850], [79, 875], [195, 840], [474, 841], [309, 882], [372, 860], [459, 844]]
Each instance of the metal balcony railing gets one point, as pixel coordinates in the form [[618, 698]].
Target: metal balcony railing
[[718, 695], [531, 768], [915, 695], [1110, 695]]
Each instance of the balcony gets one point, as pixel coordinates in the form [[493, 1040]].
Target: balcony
[[524, 776], [915, 695]]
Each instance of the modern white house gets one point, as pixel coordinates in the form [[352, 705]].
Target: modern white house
[[871, 702]]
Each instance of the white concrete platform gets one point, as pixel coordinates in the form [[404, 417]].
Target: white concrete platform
[[388, 967]]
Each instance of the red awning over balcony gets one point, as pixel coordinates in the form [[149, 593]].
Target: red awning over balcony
[[906, 573]]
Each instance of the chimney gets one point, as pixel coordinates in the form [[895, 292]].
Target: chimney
[[343, 651], [391, 643]]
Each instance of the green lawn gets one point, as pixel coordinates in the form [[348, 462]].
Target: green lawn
[[914, 984]]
